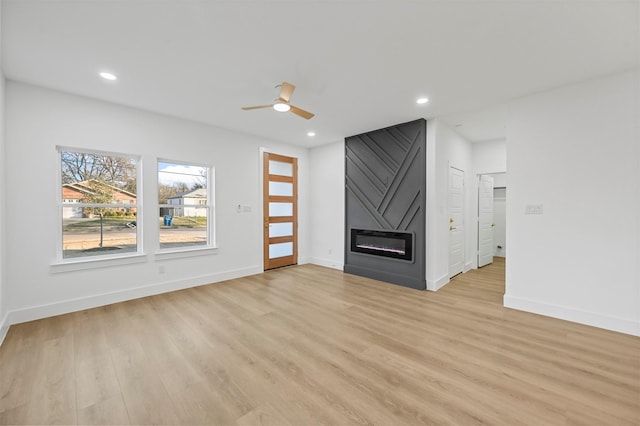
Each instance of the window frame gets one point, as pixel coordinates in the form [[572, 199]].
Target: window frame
[[98, 259], [211, 244]]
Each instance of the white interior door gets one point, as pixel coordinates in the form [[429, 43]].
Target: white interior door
[[485, 221], [500, 220], [456, 221]]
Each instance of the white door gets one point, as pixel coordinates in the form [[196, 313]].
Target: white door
[[456, 221], [485, 221]]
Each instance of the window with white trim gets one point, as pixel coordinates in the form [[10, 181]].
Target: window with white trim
[[98, 204], [185, 203]]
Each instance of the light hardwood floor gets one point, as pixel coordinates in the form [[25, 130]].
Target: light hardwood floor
[[310, 345]]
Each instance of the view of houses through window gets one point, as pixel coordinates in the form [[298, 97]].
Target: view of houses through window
[[185, 210], [98, 204]]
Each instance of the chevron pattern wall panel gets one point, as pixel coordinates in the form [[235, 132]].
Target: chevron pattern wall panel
[[385, 195]]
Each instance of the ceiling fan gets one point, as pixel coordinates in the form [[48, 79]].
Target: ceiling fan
[[281, 104]]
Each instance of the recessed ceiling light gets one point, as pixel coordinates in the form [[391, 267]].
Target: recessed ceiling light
[[108, 76], [311, 133], [421, 101]]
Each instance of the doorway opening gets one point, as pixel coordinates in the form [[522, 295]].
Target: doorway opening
[[491, 235], [500, 220]]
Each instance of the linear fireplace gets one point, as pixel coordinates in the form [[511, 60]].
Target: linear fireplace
[[393, 244], [385, 204]]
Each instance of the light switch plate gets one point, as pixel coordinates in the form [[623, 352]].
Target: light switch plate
[[533, 209]]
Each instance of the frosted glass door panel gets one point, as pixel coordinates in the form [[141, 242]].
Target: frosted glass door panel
[[280, 229], [280, 168], [280, 209], [281, 188], [280, 250]]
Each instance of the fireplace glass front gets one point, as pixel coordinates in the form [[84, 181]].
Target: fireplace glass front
[[393, 244]]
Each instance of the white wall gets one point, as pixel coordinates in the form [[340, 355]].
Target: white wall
[[4, 325], [327, 204], [445, 148], [576, 151], [489, 157], [499, 179], [38, 119]]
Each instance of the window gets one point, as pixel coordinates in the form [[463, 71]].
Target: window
[[185, 202], [98, 204]]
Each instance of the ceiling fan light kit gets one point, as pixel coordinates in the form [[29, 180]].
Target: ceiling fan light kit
[[281, 104]]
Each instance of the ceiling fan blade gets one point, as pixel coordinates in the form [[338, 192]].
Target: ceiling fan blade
[[257, 107], [286, 91], [302, 113]]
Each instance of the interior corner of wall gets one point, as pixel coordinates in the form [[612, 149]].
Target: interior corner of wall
[[328, 263]]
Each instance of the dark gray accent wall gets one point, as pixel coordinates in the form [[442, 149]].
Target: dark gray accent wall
[[385, 190]]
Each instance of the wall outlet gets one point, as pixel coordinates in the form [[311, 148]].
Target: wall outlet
[[330, 251], [162, 269]]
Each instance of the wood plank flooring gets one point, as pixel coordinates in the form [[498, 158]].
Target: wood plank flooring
[[309, 345]]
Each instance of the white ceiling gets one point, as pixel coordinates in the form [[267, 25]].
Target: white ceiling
[[359, 65]]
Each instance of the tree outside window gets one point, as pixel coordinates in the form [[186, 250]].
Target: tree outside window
[[98, 203]]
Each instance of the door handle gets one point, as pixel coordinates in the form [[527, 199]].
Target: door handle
[[450, 220], [451, 228]]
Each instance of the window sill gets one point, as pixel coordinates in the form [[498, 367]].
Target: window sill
[[93, 263], [185, 252]]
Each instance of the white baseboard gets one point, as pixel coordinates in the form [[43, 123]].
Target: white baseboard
[[468, 266], [4, 328], [435, 285], [73, 305], [329, 263], [621, 325]]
